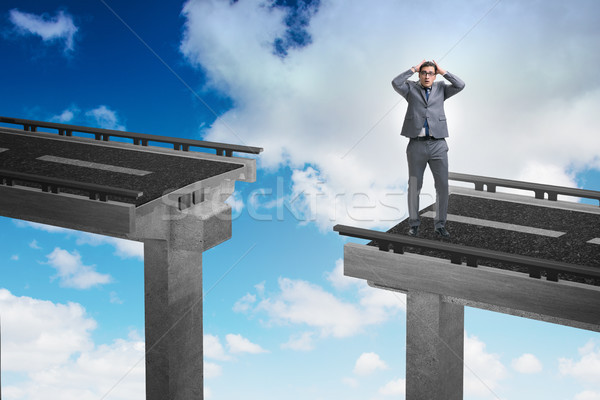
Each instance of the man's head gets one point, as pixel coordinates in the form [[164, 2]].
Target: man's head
[[427, 73]]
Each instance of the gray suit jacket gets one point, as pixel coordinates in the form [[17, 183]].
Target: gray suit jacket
[[419, 108]]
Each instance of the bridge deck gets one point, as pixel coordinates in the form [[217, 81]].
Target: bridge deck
[[123, 166], [557, 231]]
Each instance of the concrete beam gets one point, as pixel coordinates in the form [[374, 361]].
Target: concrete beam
[[564, 303], [67, 211]]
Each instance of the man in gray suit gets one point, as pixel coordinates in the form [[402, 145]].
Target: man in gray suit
[[425, 126]]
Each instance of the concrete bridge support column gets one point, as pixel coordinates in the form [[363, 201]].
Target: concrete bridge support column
[[173, 304], [434, 348]]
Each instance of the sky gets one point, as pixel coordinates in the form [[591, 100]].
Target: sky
[[310, 82]]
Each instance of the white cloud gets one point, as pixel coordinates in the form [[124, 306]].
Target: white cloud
[[301, 342], [42, 331], [483, 371], [394, 388], [212, 370], [337, 277], [51, 345], [588, 395], [114, 298], [336, 92], [66, 116], [14, 257], [527, 364], [72, 272], [368, 363], [213, 348], [245, 303], [104, 117], [41, 227], [353, 383], [61, 28], [587, 368], [123, 248], [239, 344], [34, 245], [301, 302]]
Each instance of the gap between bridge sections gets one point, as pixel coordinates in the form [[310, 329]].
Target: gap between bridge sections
[[498, 225], [89, 164]]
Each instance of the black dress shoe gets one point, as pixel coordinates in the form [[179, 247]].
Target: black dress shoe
[[413, 231], [442, 232]]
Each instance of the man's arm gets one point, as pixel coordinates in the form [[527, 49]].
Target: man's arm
[[456, 84], [399, 83]]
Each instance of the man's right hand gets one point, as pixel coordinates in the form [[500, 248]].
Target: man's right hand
[[418, 66]]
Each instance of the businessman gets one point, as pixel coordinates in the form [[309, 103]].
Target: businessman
[[425, 126]]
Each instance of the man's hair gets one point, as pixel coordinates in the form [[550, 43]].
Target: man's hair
[[428, 64]]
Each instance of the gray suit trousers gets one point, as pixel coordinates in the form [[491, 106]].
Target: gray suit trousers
[[419, 154]]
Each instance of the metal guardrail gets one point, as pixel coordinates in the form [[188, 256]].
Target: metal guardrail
[[396, 243], [143, 139], [54, 185], [539, 189]]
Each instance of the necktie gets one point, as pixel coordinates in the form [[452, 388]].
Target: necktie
[[426, 125]]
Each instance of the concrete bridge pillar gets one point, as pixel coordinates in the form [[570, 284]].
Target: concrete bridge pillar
[[434, 347]]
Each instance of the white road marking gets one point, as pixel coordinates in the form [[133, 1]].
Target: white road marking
[[1, 149], [594, 241], [499, 225], [88, 164]]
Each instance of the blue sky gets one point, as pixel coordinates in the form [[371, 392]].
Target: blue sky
[[310, 82]]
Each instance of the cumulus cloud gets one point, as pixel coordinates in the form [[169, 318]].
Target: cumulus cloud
[[66, 116], [305, 304], [337, 277], [300, 342], [60, 28], [40, 330], [394, 388], [483, 370], [72, 272], [104, 117], [213, 349], [245, 303], [527, 364], [50, 345], [335, 92], [368, 363], [588, 395], [212, 370], [587, 368], [239, 344], [123, 248]]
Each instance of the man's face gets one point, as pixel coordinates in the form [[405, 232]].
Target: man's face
[[427, 76]]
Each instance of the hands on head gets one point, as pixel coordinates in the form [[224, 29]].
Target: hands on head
[[418, 66], [439, 69]]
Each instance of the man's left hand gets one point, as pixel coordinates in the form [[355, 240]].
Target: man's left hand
[[440, 70]]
